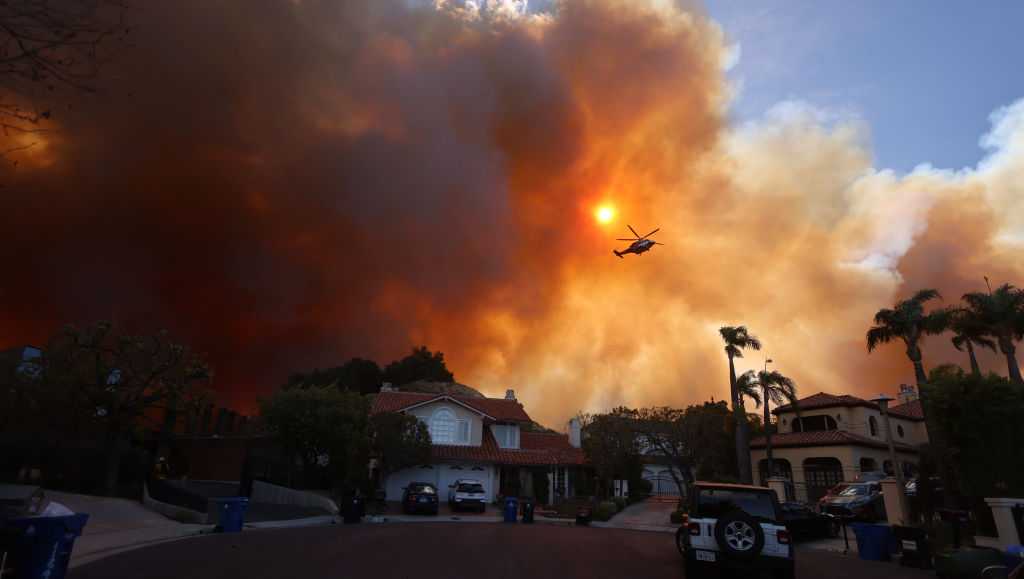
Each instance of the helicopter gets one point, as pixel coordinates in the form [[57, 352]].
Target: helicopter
[[639, 245]]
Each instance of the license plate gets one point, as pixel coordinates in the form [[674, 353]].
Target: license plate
[[909, 545], [708, 556]]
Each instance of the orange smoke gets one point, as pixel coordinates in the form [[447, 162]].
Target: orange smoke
[[383, 175]]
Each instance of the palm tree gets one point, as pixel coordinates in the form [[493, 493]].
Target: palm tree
[[775, 388], [736, 340], [908, 321], [969, 332], [1001, 313]]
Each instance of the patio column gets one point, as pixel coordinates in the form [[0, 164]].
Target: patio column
[[551, 485], [1002, 512]]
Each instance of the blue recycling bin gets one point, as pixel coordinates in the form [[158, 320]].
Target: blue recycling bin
[[232, 513], [874, 542], [43, 550], [511, 509]]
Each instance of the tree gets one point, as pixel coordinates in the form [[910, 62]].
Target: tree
[[663, 431], [399, 441], [775, 388], [111, 379], [908, 321], [358, 375], [1001, 313], [610, 445], [736, 340], [327, 430], [45, 44], [421, 364], [969, 332], [712, 432]]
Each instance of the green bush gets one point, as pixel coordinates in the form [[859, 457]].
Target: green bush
[[620, 503], [605, 510]]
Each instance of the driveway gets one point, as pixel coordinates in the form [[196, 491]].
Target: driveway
[[646, 515], [440, 550]]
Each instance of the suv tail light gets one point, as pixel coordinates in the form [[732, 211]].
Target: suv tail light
[[783, 537], [694, 528]]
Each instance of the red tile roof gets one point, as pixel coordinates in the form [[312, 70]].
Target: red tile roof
[[537, 450], [497, 408], [910, 410], [822, 438]]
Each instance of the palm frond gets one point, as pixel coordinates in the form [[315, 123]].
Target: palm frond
[[925, 295], [880, 335]]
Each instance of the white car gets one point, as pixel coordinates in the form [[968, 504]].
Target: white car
[[467, 493], [737, 527]]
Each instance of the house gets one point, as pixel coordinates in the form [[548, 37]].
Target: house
[[489, 439], [836, 438]]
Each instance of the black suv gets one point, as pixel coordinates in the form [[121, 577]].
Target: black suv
[[737, 527]]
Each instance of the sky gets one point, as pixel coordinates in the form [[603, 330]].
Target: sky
[[924, 76], [391, 173]]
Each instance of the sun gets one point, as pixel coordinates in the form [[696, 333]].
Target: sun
[[604, 214]]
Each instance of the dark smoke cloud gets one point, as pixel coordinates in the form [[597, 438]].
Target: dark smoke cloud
[[285, 184]]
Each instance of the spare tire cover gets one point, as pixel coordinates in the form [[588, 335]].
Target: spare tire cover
[[739, 535]]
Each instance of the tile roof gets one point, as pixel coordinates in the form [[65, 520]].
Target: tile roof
[[910, 410], [497, 408], [537, 450], [822, 438]]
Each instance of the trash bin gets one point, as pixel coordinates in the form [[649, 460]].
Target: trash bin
[[43, 548], [511, 509], [528, 511], [232, 513], [874, 542], [355, 508], [583, 516], [915, 547]]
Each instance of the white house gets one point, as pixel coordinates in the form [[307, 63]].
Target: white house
[[485, 439]]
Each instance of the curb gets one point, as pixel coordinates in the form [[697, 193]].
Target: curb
[[322, 520]]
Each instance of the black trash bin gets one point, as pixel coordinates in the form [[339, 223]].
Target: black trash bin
[[355, 508], [914, 546], [583, 516], [528, 511]]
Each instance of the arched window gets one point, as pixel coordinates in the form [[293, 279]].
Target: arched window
[[442, 427], [873, 425], [899, 430]]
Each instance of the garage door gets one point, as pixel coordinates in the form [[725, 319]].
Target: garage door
[[449, 473], [397, 481]]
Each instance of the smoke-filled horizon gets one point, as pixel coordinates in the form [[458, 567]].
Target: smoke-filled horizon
[[285, 184]]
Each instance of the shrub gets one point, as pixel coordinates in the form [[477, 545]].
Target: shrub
[[604, 511], [620, 503], [640, 490]]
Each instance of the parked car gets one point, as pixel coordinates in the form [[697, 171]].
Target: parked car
[[419, 497], [804, 522], [914, 483], [831, 493], [860, 501], [467, 493], [735, 527]]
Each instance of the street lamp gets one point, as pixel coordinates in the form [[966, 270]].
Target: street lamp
[[883, 405]]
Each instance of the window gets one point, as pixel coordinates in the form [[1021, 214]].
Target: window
[[814, 423], [716, 502], [899, 430], [463, 431], [442, 427], [873, 425], [506, 435]]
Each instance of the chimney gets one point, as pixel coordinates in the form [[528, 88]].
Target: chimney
[[574, 432], [906, 394], [510, 394], [387, 387]]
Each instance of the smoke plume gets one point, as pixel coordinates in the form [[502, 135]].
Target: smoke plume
[[286, 184]]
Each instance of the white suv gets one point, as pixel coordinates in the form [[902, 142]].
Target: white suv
[[737, 527], [467, 493]]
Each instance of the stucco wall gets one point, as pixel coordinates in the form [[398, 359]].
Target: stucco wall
[[856, 420], [424, 413]]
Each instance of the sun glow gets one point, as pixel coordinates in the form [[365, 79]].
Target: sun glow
[[604, 214]]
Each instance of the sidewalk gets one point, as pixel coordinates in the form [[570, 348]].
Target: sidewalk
[[117, 525]]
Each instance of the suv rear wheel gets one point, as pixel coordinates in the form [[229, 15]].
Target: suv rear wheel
[[739, 536]]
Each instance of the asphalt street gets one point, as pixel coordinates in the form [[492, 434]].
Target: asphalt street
[[428, 550]]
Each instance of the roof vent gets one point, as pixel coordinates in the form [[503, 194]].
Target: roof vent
[[510, 394]]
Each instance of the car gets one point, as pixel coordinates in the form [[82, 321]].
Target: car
[[806, 523], [737, 528], [858, 501], [467, 493], [835, 490], [420, 497]]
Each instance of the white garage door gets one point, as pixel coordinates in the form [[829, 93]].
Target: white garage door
[[397, 481]]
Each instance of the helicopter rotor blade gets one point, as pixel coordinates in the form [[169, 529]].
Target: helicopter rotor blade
[[657, 243], [633, 230], [626, 239], [651, 233]]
